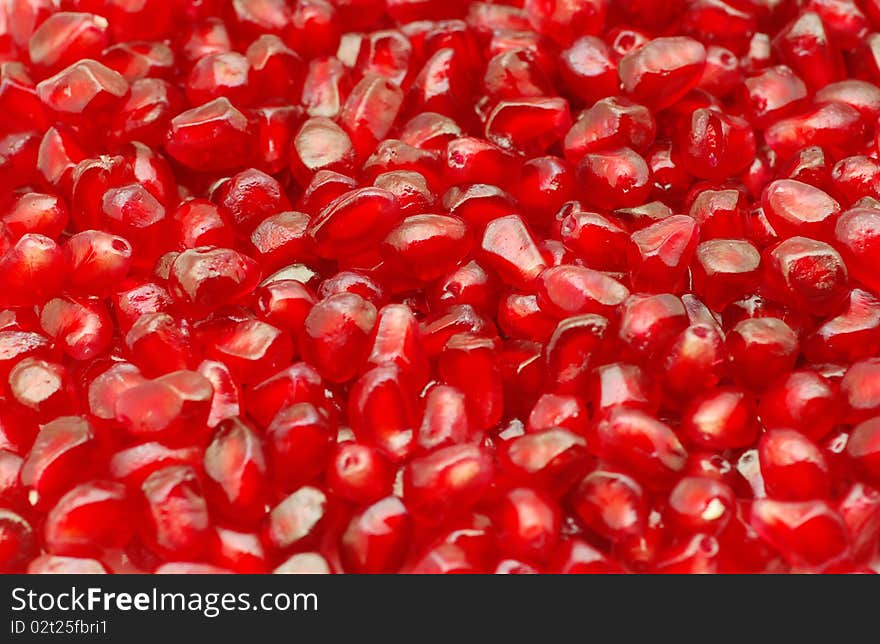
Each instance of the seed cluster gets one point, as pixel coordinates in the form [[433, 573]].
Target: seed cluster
[[439, 286]]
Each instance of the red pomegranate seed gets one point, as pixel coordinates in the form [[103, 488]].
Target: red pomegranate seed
[[588, 70], [528, 524], [90, 516], [213, 136], [56, 459], [509, 248], [611, 503], [359, 473], [700, 504], [177, 521], [716, 145], [860, 390], [663, 70], [426, 246], [806, 274], [375, 539], [795, 208], [299, 443], [568, 352], [835, 125], [447, 480], [805, 45], [660, 253], [615, 178], [807, 533], [353, 222], [236, 472], [721, 419], [84, 94], [859, 509], [863, 447], [577, 557], [37, 213], [792, 466], [18, 542], [762, 349], [297, 519], [803, 400], [178, 404], [773, 93], [336, 335], [633, 439]]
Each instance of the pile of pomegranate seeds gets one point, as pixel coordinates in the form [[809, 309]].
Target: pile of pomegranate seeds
[[439, 286]]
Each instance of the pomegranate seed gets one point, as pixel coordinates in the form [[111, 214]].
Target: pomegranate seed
[[56, 457], [84, 94], [858, 507], [299, 382], [577, 557], [528, 524], [721, 419], [235, 468], [795, 208], [179, 403], [862, 447], [447, 480], [567, 290], [716, 145], [648, 323], [803, 400], [806, 46], [593, 237], [376, 538], [211, 277], [140, 59], [611, 504], [808, 275], [178, 525], [42, 386], [773, 93], [336, 335], [241, 552], [725, 270], [700, 504], [426, 246], [855, 237], [660, 253], [359, 473], [296, 520], [636, 441], [663, 70], [354, 221], [299, 439], [88, 517], [588, 70], [610, 123], [52, 565], [34, 270], [134, 464], [509, 248], [834, 125], [806, 533], [213, 136], [615, 178], [529, 125], [250, 196], [762, 349], [18, 542]]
